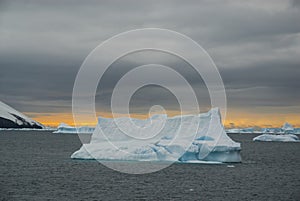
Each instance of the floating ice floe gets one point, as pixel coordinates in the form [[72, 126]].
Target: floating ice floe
[[187, 139], [277, 138], [65, 128]]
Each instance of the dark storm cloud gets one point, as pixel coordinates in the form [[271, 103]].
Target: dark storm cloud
[[256, 46]]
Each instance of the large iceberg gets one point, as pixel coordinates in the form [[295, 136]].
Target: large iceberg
[[189, 138], [277, 138], [65, 128]]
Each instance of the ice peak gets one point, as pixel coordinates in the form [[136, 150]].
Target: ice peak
[[286, 126]]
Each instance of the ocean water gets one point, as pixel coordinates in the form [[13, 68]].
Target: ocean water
[[37, 166]]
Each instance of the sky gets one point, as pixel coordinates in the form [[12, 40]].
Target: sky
[[254, 44]]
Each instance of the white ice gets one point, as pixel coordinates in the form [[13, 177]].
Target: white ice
[[288, 128], [285, 129], [65, 128], [240, 130], [277, 138], [188, 139]]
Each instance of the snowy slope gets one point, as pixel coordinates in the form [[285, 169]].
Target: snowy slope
[[176, 141], [11, 118]]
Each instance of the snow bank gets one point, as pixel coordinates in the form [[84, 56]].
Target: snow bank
[[277, 138], [176, 140], [65, 128]]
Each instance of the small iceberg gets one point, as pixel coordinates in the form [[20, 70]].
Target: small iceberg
[[277, 138], [285, 129], [271, 130], [183, 139], [288, 128], [65, 128], [240, 130]]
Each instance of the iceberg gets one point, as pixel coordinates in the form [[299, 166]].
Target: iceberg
[[271, 130], [240, 130], [65, 128], [287, 128], [247, 130], [186, 139], [233, 130], [277, 138]]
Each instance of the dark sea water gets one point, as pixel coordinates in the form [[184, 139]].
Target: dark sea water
[[37, 166]]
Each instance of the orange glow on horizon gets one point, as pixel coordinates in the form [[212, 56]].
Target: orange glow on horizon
[[238, 119], [262, 120], [54, 119]]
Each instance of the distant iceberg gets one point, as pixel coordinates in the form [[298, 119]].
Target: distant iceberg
[[277, 138], [233, 130], [287, 128], [284, 134], [65, 128], [240, 130], [297, 131], [271, 130], [176, 141]]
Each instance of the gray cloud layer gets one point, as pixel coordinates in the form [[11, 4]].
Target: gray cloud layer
[[255, 44]]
